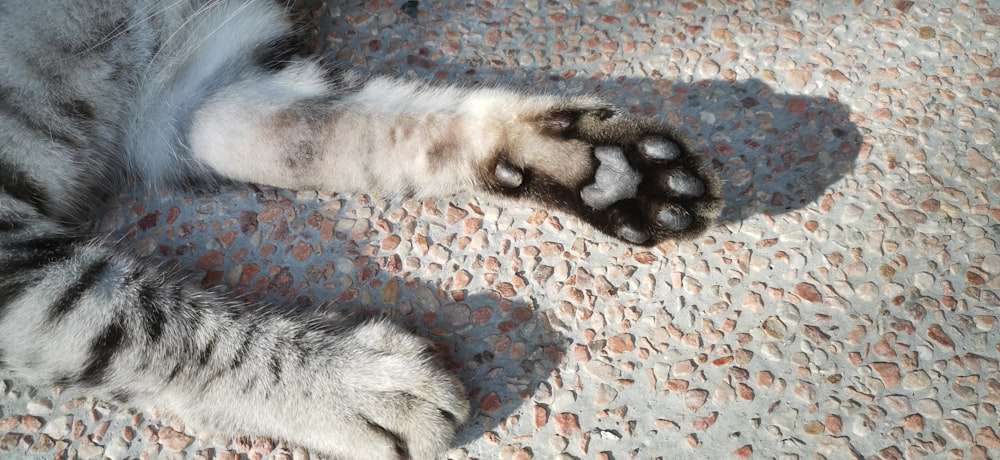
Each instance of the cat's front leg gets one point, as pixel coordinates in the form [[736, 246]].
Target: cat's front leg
[[87, 316]]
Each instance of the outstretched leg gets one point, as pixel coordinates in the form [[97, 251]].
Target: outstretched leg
[[307, 128]]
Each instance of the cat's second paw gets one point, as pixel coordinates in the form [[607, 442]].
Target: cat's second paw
[[628, 177], [407, 400], [383, 394]]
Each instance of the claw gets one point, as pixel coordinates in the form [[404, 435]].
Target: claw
[[507, 175], [658, 148]]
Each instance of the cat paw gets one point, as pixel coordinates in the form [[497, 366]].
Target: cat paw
[[400, 401], [628, 177]]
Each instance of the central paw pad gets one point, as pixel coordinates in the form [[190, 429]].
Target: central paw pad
[[615, 180]]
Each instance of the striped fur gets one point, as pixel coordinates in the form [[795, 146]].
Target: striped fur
[[181, 91]]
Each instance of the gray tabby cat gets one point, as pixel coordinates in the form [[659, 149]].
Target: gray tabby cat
[[95, 93]]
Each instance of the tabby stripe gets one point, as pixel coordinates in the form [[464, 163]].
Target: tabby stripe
[[10, 290], [275, 367], [22, 186], [241, 354], [45, 246], [77, 109], [206, 353], [62, 137], [11, 225], [102, 351], [70, 298], [275, 55], [122, 396], [153, 317], [176, 370]]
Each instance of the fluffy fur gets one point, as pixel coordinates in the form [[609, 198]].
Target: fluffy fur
[[182, 91]]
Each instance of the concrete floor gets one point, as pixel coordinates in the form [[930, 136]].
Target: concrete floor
[[845, 306]]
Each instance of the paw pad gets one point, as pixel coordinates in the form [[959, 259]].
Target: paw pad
[[687, 185], [674, 217], [614, 180], [507, 175], [658, 148], [632, 234]]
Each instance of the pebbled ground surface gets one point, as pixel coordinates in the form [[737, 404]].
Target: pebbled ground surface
[[846, 304]]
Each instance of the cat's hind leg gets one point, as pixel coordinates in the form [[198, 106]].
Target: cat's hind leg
[[629, 177]]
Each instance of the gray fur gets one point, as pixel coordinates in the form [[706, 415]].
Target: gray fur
[[95, 93]]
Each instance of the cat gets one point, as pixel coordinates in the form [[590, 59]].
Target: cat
[[188, 92]]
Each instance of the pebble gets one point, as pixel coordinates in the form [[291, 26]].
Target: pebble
[[888, 373], [58, 427], [958, 431], [173, 440], [723, 394], [916, 380], [774, 328], [605, 395], [772, 352], [930, 408], [914, 422], [897, 403], [566, 424], [694, 399], [40, 407], [90, 451], [558, 443]]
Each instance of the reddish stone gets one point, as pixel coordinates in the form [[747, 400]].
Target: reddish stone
[[703, 424], [173, 440], [677, 385], [988, 438], [621, 343], [888, 372], [745, 392], [694, 399], [148, 221], [914, 422], [935, 333], [541, 416], [172, 214], [833, 424], [807, 292], [302, 251], [566, 423], [491, 402], [211, 259], [482, 316]]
